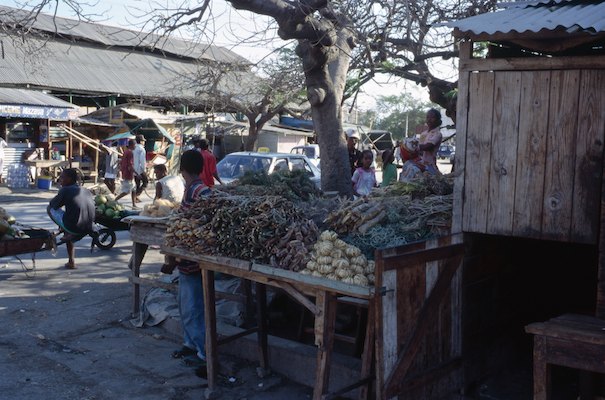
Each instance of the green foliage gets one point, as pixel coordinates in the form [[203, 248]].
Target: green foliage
[[395, 109]]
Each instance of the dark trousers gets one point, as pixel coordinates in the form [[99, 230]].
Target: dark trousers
[[141, 182]]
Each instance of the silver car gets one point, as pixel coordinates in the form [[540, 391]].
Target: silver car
[[235, 165]]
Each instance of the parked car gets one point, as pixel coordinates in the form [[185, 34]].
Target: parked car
[[445, 152], [235, 165], [309, 150]]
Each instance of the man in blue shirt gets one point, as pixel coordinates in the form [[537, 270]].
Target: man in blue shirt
[[78, 217]]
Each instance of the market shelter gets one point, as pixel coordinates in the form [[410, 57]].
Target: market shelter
[[531, 130]]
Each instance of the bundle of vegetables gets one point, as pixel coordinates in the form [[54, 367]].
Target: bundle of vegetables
[[425, 185], [356, 216], [104, 206], [159, 208], [332, 258], [266, 229], [8, 230], [407, 220], [293, 185]]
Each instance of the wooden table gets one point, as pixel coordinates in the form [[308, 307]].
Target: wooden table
[[144, 232], [570, 340], [52, 165], [298, 286]]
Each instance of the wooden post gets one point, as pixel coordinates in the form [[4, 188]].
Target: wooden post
[[261, 318], [211, 334], [542, 369], [368, 352], [324, 339], [138, 252]]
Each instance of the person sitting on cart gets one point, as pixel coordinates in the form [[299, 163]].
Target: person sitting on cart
[[76, 221], [190, 297]]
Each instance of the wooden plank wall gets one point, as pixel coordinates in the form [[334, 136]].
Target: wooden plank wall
[[407, 290], [533, 154]]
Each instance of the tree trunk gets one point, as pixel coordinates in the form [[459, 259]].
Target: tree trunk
[[325, 73], [252, 135]]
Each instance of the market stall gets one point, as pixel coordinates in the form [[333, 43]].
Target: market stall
[[319, 251]]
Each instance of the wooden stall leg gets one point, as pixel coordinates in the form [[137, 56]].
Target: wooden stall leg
[[138, 252], [248, 304], [324, 339], [261, 319], [542, 382], [211, 334], [368, 353]]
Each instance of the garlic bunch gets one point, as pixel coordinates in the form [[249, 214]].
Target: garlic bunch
[[334, 259]]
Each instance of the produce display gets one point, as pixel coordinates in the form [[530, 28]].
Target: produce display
[[160, 208], [8, 230], [334, 259], [267, 220], [398, 214], [264, 229], [105, 206]]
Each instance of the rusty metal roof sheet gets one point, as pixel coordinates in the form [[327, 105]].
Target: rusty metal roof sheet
[[537, 16], [110, 36]]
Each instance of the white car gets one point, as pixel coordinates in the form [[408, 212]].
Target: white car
[[235, 165], [309, 150]]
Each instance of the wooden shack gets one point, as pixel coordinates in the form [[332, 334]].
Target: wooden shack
[[529, 194]]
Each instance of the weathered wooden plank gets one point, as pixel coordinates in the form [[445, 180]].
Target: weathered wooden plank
[[407, 354], [261, 323], [533, 128], [589, 157], [542, 370], [462, 109], [505, 135], [146, 233], [298, 296], [314, 281], [379, 318], [368, 352], [560, 155], [324, 339], [532, 64], [478, 152], [388, 340], [413, 258], [211, 332]]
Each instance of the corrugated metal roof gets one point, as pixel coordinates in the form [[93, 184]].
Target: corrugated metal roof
[[113, 36], [571, 16], [85, 68], [31, 98]]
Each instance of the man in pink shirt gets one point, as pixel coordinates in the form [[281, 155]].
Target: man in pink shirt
[[209, 173]]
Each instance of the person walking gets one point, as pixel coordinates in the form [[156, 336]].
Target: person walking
[[3, 145], [112, 164], [140, 163], [127, 172], [209, 173]]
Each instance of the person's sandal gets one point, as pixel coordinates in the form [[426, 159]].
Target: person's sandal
[[183, 352]]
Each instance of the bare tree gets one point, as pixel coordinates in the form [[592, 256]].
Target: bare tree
[[403, 38], [260, 94]]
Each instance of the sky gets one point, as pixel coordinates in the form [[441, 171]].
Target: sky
[[227, 27]]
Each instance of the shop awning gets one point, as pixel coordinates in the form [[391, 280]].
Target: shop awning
[[23, 103], [150, 129]]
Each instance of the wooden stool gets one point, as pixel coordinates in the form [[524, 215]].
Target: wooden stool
[[570, 340]]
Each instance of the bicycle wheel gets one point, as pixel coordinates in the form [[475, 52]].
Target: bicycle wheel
[[106, 239]]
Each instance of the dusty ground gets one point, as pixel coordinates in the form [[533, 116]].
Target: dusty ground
[[66, 334]]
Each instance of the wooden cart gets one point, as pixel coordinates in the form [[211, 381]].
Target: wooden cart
[[38, 240]]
